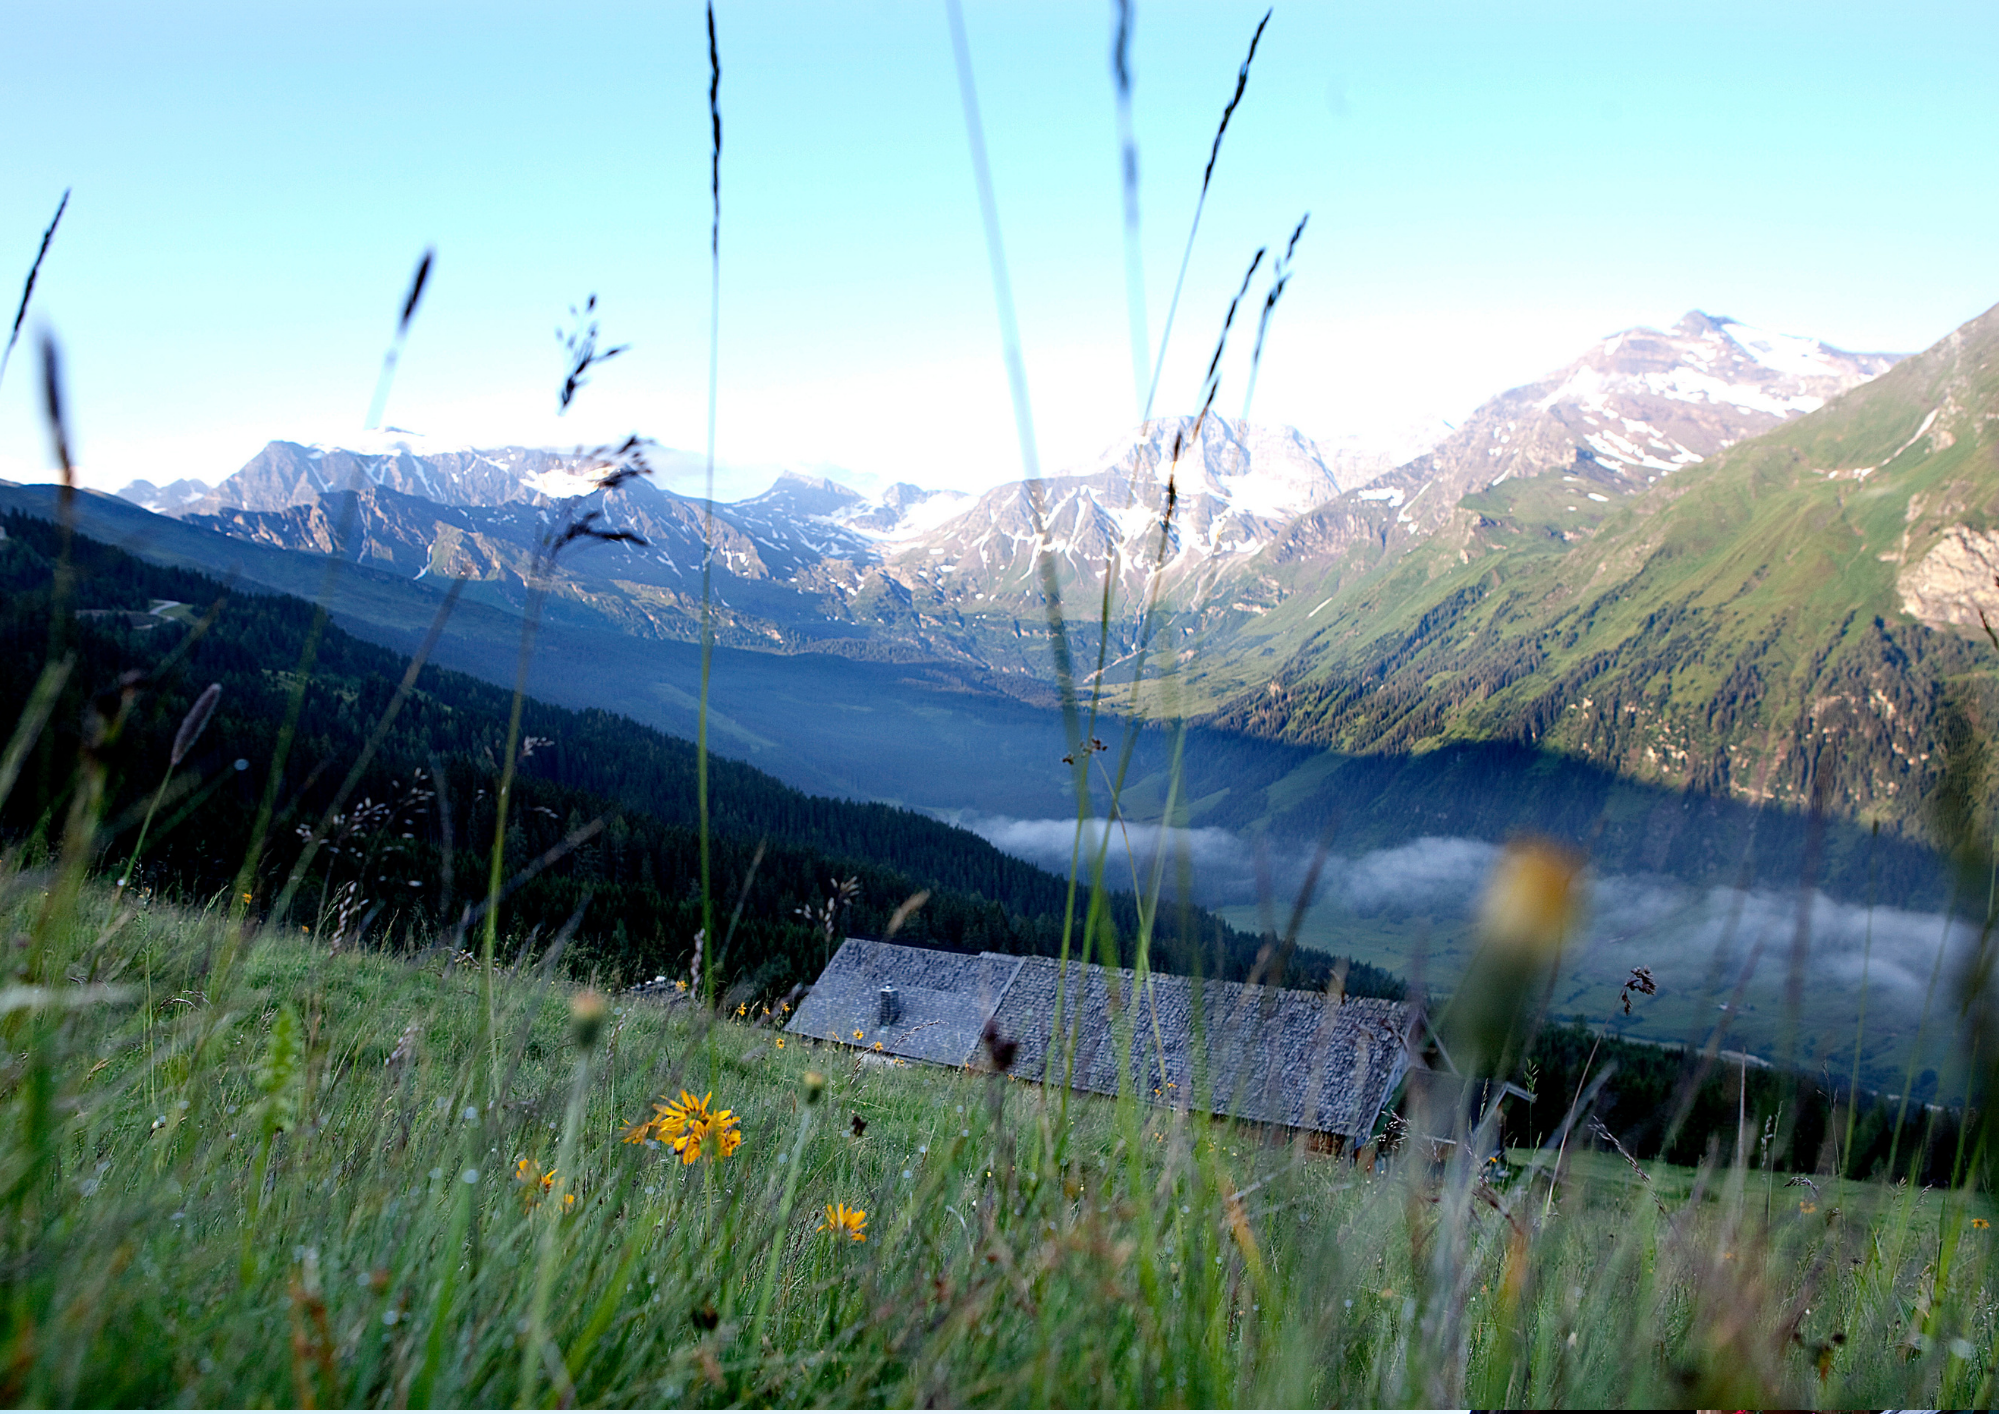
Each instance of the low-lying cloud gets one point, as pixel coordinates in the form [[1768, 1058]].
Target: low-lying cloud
[[1705, 936]]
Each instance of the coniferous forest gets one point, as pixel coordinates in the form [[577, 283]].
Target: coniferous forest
[[410, 850]]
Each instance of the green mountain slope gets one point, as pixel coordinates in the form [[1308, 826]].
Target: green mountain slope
[[1795, 617]]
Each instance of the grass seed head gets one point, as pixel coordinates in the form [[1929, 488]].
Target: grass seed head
[[586, 1018], [194, 722], [1531, 897]]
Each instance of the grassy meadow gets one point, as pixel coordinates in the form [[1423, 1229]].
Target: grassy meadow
[[303, 1176], [257, 1155]]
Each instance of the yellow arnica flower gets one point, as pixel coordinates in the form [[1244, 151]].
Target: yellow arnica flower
[[842, 1220], [781, 1043], [534, 1185], [878, 1045], [680, 1115], [1981, 1222], [857, 1035], [691, 1128]]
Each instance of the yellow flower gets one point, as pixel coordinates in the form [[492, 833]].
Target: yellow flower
[[692, 1129], [878, 1045], [533, 1184], [843, 1220], [1981, 1222], [742, 1009], [680, 984], [857, 1035], [720, 1132], [1808, 1207]]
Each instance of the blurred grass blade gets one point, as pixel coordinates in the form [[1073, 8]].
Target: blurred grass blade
[[33, 998], [34, 717], [1128, 173], [28, 288], [395, 352]]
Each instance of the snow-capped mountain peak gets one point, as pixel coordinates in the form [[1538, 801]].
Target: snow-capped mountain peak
[[1635, 406], [171, 499]]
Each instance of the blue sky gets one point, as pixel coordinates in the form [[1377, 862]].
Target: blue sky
[[1491, 187]]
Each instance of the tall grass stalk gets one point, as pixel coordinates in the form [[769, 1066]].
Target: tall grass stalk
[[1200, 204], [708, 979], [376, 736], [28, 285], [1128, 182]]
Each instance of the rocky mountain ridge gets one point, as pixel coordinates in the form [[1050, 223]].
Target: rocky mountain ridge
[[1634, 407]]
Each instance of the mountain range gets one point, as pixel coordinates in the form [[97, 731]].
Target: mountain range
[[1685, 556]]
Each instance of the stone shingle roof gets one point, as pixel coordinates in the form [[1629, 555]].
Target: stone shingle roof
[[945, 999], [1265, 1053]]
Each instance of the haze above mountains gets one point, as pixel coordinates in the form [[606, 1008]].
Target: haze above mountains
[[1681, 559], [940, 571]]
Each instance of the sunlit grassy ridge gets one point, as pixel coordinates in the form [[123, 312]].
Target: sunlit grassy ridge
[[1022, 1245], [1709, 633]]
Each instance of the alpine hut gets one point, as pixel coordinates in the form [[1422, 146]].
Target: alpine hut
[[1306, 1061]]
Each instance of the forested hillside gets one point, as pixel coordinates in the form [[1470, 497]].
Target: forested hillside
[[410, 851]]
